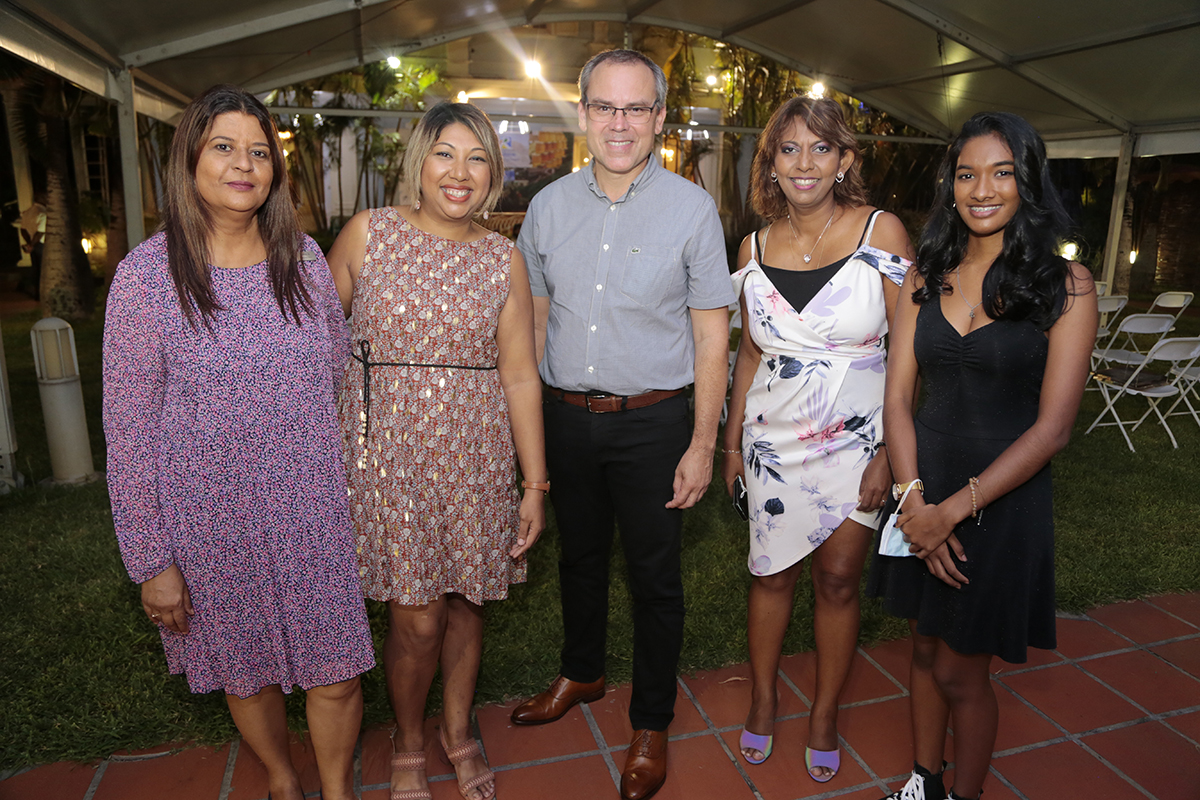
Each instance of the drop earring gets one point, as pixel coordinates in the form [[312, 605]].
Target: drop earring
[[773, 178], [417, 204], [841, 176], [485, 215]]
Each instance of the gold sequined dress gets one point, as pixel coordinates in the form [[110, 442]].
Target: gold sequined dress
[[430, 453]]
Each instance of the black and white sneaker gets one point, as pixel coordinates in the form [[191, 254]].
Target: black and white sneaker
[[922, 785]]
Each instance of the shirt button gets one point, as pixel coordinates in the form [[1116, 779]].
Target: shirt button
[[591, 369], [599, 287], [613, 207], [605, 247], [593, 328]]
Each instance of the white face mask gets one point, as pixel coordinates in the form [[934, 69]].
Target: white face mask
[[891, 541]]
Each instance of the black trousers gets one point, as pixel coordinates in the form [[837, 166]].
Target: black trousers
[[620, 466]]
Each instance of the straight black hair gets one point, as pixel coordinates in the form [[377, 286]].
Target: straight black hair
[[1028, 279]]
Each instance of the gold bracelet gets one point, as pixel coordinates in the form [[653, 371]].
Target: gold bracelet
[[545, 487], [976, 509]]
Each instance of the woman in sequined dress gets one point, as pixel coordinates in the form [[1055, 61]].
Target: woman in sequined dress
[[443, 388], [224, 343]]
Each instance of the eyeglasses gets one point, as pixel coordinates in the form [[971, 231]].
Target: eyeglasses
[[598, 112]]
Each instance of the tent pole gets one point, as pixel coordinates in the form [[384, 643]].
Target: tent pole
[[135, 225], [1120, 190]]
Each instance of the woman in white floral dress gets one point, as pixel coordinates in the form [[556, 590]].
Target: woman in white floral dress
[[817, 286]]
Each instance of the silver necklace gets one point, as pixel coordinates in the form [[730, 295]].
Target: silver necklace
[[796, 239], [958, 279]]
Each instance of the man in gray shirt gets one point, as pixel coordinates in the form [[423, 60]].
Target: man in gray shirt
[[631, 284]]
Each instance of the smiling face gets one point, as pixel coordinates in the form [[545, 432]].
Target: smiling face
[[985, 185], [455, 176], [234, 172], [619, 147], [807, 166]]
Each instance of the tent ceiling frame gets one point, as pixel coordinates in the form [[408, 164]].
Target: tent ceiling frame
[[1006, 60]]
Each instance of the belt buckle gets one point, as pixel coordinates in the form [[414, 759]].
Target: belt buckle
[[589, 396]]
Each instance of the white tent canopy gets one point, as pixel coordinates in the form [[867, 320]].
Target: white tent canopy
[[1095, 77]]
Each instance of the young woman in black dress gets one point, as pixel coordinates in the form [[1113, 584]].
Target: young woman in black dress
[[999, 328]]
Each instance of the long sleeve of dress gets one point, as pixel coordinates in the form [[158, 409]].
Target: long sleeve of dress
[[134, 386], [327, 304]]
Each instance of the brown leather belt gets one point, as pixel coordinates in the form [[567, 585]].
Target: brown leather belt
[[604, 403]]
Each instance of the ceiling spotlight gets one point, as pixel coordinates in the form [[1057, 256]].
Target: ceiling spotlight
[[533, 69], [393, 62], [463, 97], [817, 90], [1133, 256], [1069, 251], [711, 80]]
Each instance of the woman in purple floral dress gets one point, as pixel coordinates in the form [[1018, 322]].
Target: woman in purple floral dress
[[817, 287], [223, 343]]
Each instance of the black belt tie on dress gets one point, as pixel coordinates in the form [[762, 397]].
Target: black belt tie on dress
[[365, 348]]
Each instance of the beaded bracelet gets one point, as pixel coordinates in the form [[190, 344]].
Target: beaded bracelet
[[976, 509]]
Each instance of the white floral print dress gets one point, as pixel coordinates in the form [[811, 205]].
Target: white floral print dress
[[813, 413]]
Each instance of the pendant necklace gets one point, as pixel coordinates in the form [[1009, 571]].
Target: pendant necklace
[[796, 239], [971, 308]]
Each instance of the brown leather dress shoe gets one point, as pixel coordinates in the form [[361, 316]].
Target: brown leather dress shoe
[[645, 765], [556, 701]]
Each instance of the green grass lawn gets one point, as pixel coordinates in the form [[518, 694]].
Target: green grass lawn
[[82, 672]]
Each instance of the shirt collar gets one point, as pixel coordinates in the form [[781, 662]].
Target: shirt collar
[[643, 179]]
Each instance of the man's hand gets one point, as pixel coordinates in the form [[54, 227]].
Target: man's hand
[[692, 477]]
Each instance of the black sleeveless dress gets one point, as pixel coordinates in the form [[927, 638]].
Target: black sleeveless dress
[[982, 394]]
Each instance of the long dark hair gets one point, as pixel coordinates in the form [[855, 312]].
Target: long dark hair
[[1027, 280], [187, 222]]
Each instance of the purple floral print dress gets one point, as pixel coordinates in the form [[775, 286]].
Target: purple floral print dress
[[224, 459], [814, 411]]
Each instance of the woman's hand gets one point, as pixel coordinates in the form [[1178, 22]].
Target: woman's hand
[[925, 527], [942, 565], [732, 466], [166, 600], [533, 521], [875, 484]]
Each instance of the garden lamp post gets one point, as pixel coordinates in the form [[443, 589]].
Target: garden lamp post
[[57, 367]]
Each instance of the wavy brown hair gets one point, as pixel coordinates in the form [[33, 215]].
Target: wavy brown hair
[[825, 118], [424, 139], [187, 221]]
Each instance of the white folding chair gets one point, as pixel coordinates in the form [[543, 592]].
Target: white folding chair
[[1179, 355], [1109, 304], [1101, 288], [1155, 325], [1171, 303], [1189, 380]]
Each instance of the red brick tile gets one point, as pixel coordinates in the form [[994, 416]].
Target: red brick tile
[[881, 734], [63, 780], [1185, 655], [510, 744], [612, 716], [193, 774], [1189, 724], [1061, 770], [865, 681], [1148, 681], [250, 777], [585, 777], [1141, 621], [1019, 724], [1078, 638], [1071, 698], [1186, 606], [1162, 761], [724, 694], [1035, 657], [783, 775], [696, 768], [894, 657]]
